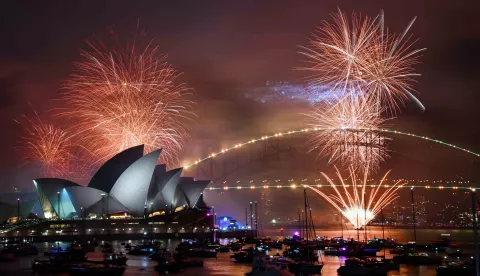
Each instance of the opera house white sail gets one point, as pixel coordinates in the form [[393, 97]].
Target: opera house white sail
[[129, 182]]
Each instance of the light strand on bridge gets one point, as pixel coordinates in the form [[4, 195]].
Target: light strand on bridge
[[295, 186], [280, 134]]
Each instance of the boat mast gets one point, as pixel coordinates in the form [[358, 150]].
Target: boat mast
[[475, 236], [305, 206], [358, 229], [314, 234], [341, 222], [299, 222], [383, 234], [306, 223], [413, 216], [246, 218], [251, 216], [365, 227], [214, 232], [256, 220]]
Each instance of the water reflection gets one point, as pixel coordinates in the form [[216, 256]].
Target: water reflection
[[222, 265]]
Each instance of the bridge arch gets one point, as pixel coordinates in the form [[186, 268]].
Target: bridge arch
[[307, 130]]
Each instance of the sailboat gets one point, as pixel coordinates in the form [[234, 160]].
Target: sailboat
[[383, 261], [410, 256], [306, 264]]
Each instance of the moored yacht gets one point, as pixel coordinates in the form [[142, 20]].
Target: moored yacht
[[418, 258], [457, 268], [357, 267]]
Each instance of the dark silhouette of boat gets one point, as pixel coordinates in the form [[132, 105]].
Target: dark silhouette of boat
[[235, 245], [277, 244], [71, 254], [442, 244], [167, 266], [189, 262], [160, 255], [50, 266], [21, 249], [357, 267], [305, 258], [143, 250], [57, 263], [382, 262], [201, 253], [301, 254], [111, 259], [457, 268], [244, 256], [418, 258], [94, 270], [305, 268], [351, 251], [217, 247], [262, 268], [400, 249], [295, 240]]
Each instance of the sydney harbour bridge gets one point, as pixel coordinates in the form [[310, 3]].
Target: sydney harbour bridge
[[284, 156]]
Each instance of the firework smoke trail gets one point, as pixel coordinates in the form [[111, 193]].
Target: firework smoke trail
[[121, 97], [348, 138], [360, 57], [358, 205]]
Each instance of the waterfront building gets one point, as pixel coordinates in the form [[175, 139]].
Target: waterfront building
[[128, 186]]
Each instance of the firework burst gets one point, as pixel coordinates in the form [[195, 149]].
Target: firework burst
[[121, 97], [359, 56], [371, 73], [348, 135], [357, 203], [47, 144]]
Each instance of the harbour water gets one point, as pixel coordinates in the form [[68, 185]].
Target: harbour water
[[223, 265], [463, 237]]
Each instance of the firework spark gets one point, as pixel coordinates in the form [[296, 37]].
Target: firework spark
[[46, 144], [360, 56], [121, 97], [371, 72], [348, 136], [358, 204]]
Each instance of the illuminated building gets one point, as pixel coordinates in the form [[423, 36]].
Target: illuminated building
[[129, 183], [226, 223], [421, 210], [267, 204]]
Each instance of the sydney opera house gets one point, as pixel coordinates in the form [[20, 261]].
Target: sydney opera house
[[130, 185]]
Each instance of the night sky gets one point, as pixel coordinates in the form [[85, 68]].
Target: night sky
[[225, 46]]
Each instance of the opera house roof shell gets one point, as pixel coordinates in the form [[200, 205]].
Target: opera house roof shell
[[129, 182]]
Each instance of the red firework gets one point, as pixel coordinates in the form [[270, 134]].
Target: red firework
[[121, 97]]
